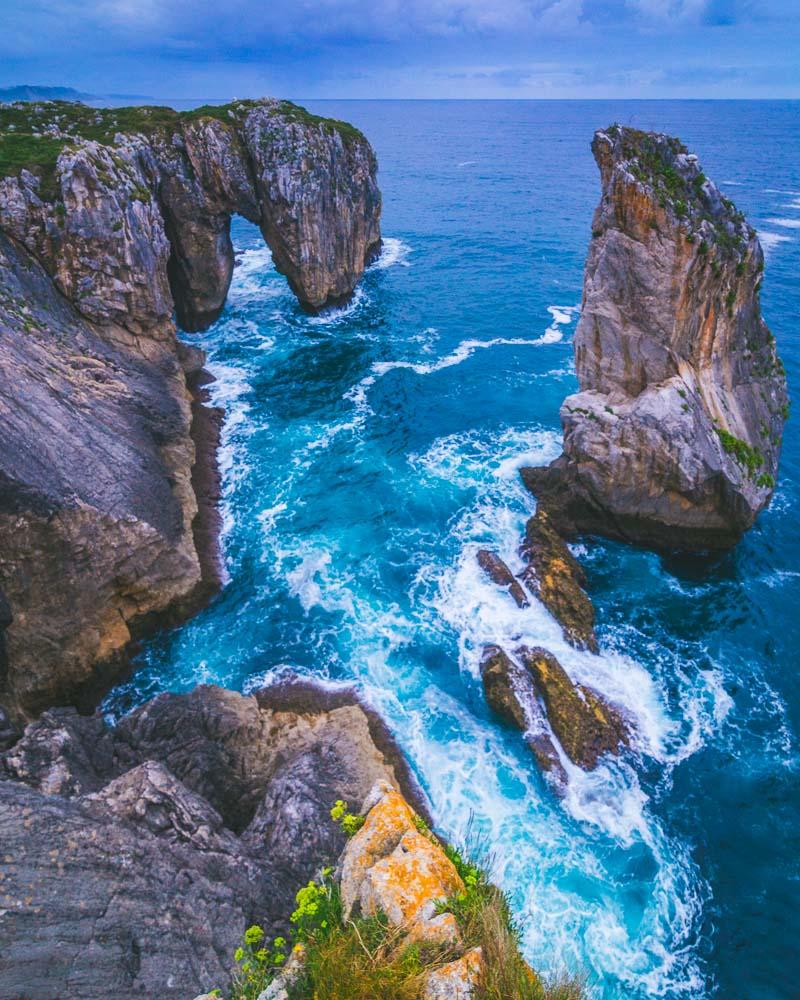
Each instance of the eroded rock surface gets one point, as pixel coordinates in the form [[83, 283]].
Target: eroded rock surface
[[136, 856], [107, 452], [392, 866], [132, 214], [674, 438], [556, 577], [585, 724]]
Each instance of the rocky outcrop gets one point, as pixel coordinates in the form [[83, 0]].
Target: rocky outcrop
[[556, 577], [511, 694], [585, 725], [110, 221], [136, 856], [674, 437], [129, 209], [499, 573]]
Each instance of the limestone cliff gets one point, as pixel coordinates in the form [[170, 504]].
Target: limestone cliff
[[137, 856], [129, 209], [111, 221], [674, 437]]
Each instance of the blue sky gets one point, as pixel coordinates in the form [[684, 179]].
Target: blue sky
[[406, 48]]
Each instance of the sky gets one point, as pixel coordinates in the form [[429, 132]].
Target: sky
[[405, 48]]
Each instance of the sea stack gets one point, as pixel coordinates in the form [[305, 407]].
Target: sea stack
[[674, 438]]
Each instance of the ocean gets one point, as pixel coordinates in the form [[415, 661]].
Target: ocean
[[370, 451]]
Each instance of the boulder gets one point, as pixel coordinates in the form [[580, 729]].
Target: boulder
[[674, 438], [458, 980], [510, 693], [391, 866], [499, 573]]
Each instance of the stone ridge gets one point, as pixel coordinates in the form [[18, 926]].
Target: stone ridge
[[137, 855], [674, 438], [129, 209]]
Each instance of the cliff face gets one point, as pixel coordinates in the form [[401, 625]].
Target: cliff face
[[674, 437], [130, 209], [109, 222], [155, 844]]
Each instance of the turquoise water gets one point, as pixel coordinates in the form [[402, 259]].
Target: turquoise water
[[369, 452]]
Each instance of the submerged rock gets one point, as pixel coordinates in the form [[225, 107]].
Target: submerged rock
[[674, 438], [556, 577], [499, 573], [137, 856], [585, 725]]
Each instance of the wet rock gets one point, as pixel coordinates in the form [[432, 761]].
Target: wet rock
[[555, 576], [674, 438], [390, 866], [124, 856], [458, 980], [585, 725], [501, 681], [499, 573], [510, 693]]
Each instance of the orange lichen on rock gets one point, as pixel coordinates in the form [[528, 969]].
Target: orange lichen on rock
[[390, 867], [457, 980]]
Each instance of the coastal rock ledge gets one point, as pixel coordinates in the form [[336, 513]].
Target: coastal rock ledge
[[674, 438]]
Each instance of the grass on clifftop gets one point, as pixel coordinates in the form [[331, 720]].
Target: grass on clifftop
[[33, 135], [365, 959]]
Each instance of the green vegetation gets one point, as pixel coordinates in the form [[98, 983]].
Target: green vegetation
[[652, 160], [748, 457], [364, 958], [350, 823], [32, 135], [766, 481]]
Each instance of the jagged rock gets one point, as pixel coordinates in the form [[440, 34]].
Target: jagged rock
[[145, 884], [138, 219], [499, 573], [510, 693], [584, 724], [556, 577], [458, 980], [501, 681], [107, 457], [674, 438], [390, 866]]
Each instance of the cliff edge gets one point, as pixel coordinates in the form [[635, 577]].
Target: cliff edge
[[674, 438]]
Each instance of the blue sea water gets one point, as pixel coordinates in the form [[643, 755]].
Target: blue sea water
[[369, 452]]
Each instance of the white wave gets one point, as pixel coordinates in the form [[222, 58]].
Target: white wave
[[785, 223], [769, 241], [254, 278], [562, 315], [733, 183], [780, 191], [427, 338], [337, 314], [268, 517], [467, 163], [393, 251]]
